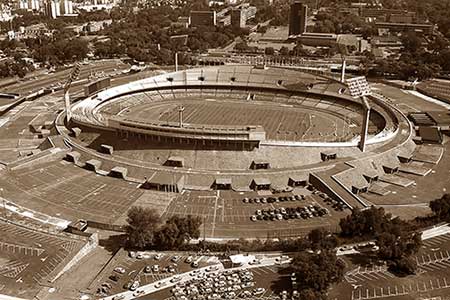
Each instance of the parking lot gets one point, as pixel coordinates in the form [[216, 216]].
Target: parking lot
[[60, 188], [377, 282], [254, 283], [146, 268], [28, 257], [226, 213]]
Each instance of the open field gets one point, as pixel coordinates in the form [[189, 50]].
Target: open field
[[281, 122]]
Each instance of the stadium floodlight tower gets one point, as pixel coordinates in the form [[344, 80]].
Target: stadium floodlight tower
[[180, 115], [73, 76], [359, 88]]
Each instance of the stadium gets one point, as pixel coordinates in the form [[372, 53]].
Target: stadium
[[256, 152], [214, 136]]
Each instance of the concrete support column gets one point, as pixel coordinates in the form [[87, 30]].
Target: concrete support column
[[365, 125]]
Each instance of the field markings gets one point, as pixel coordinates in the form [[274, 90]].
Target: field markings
[[213, 225], [399, 290]]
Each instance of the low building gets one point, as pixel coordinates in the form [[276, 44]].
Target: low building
[[166, 182], [260, 184], [398, 27], [223, 183], [317, 39]]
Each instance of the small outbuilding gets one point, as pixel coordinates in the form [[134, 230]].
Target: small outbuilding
[[295, 181], [119, 172], [93, 165], [328, 155], [390, 168], [175, 161], [260, 184], [223, 183], [404, 157], [106, 149], [76, 131], [166, 182], [73, 157], [370, 175], [359, 189], [259, 165]]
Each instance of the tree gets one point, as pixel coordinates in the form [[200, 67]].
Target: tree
[[284, 51], [241, 46], [310, 294], [269, 51], [177, 231], [369, 222], [411, 42], [403, 266], [441, 207], [317, 271], [322, 239], [142, 226]]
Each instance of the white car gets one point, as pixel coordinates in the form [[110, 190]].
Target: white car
[[175, 279], [159, 284], [212, 268], [119, 270], [158, 256], [134, 286]]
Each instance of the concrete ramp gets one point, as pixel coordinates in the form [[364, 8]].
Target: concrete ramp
[[396, 180], [324, 182], [415, 170], [379, 190]]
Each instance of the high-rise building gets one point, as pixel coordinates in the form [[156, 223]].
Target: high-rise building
[[66, 7], [30, 4], [34, 5], [238, 18], [297, 18], [53, 9], [56, 8], [23, 4]]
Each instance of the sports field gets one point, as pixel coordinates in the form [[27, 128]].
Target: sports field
[[280, 121]]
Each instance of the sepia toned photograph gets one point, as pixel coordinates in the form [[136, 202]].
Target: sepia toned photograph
[[224, 149]]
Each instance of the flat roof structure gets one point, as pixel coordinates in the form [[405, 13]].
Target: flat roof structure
[[107, 149], [73, 156], [431, 134], [93, 165], [164, 181], [119, 172], [175, 161]]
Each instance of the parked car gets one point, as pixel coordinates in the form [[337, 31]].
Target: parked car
[[258, 291], [119, 270], [134, 286]]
